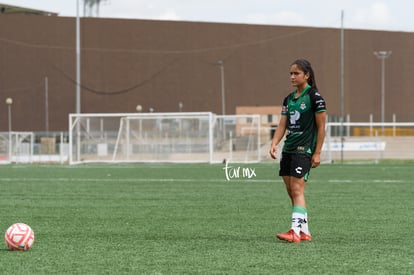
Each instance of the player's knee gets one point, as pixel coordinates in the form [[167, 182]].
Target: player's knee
[[297, 189], [296, 193]]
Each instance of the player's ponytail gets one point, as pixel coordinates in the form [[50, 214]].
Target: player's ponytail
[[306, 67]]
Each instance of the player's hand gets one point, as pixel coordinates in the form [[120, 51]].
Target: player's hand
[[316, 160], [273, 151]]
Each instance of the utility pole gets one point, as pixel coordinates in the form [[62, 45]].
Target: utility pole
[[382, 55]]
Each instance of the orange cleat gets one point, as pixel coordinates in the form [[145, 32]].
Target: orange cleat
[[305, 237], [289, 236]]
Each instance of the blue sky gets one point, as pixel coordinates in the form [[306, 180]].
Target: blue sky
[[392, 15]]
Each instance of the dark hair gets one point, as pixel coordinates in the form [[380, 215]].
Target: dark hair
[[306, 67]]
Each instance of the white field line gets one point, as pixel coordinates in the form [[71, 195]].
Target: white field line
[[132, 180], [110, 166], [366, 180], [117, 180]]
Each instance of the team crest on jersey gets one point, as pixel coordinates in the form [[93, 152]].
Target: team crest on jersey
[[302, 105]]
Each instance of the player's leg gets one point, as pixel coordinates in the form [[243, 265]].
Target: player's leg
[[294, 188], [294, 174], [285, 173], [286, 180], [299, 212], [300, 173]]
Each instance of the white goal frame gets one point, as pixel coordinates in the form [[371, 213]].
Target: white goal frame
[[164, 137], [16, 147]]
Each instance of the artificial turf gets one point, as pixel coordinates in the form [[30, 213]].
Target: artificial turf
[[189, 219]]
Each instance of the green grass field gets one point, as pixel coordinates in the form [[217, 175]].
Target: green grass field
[[188, 219]]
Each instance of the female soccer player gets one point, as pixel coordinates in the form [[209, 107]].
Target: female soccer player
[[303, 116]]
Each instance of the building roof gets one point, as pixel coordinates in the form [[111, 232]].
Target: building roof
[[15, 9]]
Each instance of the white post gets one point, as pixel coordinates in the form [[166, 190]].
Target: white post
[[31, 147], [78, 77], [259, 130], [78, 81], [101, 127], [61, 153], [382, 55], [70, 139], [139, 110], [371, 119], [379, 152], [47, 105], [394, 120], [231, 146], [127, 138], [348, 119], [342, 85], [223, 93], [210, 136], [9, 102], [223, 97]]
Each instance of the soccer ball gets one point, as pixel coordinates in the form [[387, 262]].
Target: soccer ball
[[19, 236]]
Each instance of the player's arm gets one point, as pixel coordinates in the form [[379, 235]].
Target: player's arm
[[320, 119], [279, 133]]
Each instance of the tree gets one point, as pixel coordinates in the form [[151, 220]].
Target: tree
[[91, 7]]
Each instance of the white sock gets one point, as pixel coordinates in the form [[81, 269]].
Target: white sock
[[305, 228], [298, 221]]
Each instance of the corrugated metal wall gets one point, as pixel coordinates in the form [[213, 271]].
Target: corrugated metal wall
[[158, 64]]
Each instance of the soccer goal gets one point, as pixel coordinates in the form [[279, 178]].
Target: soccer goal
[[16, 147], [357, 142], [163, 137]]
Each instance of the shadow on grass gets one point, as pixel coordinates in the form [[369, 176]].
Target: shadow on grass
[[11, 250], [219, 238]]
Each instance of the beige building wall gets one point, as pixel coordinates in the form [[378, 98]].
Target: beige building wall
[[269, 118]]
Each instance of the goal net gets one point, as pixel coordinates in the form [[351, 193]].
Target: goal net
[[16, 147], [163, 137]]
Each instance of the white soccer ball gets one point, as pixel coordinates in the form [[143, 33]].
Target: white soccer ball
[[19, 236]]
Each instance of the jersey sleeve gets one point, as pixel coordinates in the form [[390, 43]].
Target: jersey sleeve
[[318, 103], [284, 111]]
